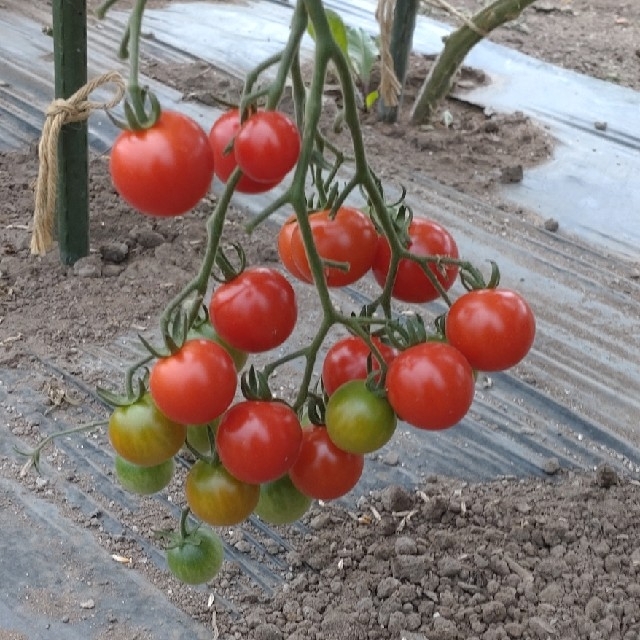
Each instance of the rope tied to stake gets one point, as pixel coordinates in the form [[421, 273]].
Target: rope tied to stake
[[76, 108], [390, 86]]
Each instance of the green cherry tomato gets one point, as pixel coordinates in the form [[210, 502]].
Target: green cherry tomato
[[358, 421], [198, 437], [143, 480], [205, 330], [280, 502], [216, 497], [198, 557], [143, 435]]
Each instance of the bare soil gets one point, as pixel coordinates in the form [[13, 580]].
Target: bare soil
[[446, 560]]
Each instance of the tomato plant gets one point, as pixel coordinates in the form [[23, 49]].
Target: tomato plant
[[349, 238], [284, 249], [358, 420], [255, 311], [267, 146], [430, 385], [183, 384], [143, 480], [222, 134], [197, 557], [322, 470], [426, 238], [493, 328], [218, 498], [347, 360], [280, 502], [163, 170], [258, 441], [144, 436]]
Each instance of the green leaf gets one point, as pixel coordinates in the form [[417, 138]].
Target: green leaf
[[370, 99], [338, 30], [363, 52]]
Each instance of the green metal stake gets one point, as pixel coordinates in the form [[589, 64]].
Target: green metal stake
[[70, 54]]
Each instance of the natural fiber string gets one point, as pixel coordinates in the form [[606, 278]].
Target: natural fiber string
[[60, 112], [390, 86], [458, 14]]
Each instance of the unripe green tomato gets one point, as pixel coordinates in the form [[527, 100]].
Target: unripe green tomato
[[143, 480], [280, 502], [197, 558]]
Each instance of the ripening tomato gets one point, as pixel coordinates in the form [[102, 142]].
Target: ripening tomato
[[256, 311], [493, 328], [350, 238], [359, 421], [142, 435], [222, 133], [216, 497], [164, 170], [267, 146], [322, 470], [197, 557], [284, 249], [430, 385], [427, 238], [347, 360], [280, 502], [195, 384], [258, 441], [143, 480]]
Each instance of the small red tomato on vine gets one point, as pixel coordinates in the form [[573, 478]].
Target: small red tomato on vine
[[322, 470], [430, 385], [493, 328], [255, 311], [164, 170], [222, 133], [267, 146], [258, 441], [427, 238], [284, 249], [347, 360], [350, 238], [195, 384]]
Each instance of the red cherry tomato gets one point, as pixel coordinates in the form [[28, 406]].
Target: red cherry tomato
[[267, 146], [322, 471], [493, 328], [258, 441], [196, 384], [427, 238], [347, 360], [164, 170], [284, 249], [430, 385], [254, 312], [350, 238], [223, 131]]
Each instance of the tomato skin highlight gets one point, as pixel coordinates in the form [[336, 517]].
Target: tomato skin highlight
[[216, 497], [143, 480], [411, 284], [223, 131], [258, 441], [198, 558], [357, 420], [350, 237], [322, 470], [256, 311], [280, 502], [196, 384], [430, 386], [493, 328], [347, 360], [142, 435], [164, 170], [267, 146]]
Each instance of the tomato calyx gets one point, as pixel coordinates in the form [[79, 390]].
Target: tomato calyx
[[141, 109], [473, 280], [254, 385], [125, 399], [211, 458], [409, 331], [227, 269], [316, 408]]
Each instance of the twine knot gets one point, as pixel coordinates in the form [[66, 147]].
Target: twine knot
[[76, 108]]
